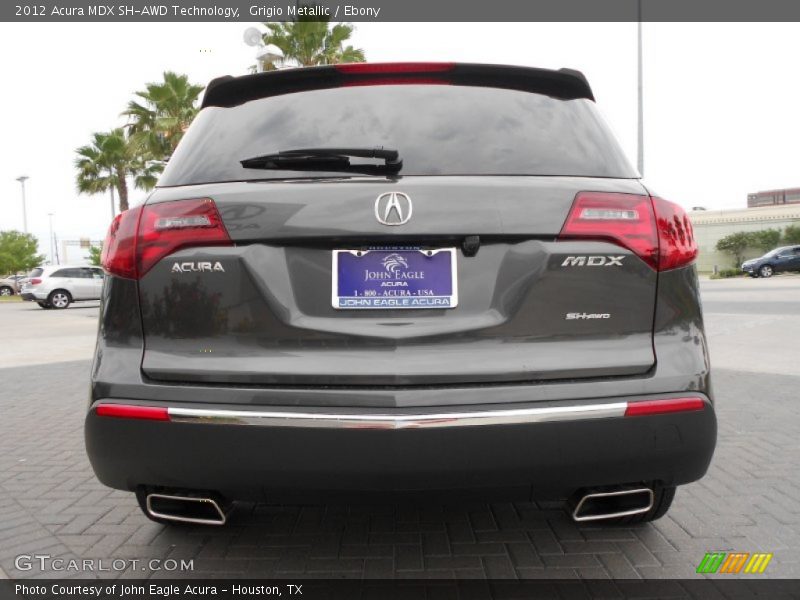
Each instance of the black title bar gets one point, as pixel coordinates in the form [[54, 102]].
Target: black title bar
[[402, 10]]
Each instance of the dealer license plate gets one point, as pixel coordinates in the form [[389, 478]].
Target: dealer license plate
[[394, 278]]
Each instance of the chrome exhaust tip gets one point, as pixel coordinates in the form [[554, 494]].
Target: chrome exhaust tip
[[611, 505], [199, 510]]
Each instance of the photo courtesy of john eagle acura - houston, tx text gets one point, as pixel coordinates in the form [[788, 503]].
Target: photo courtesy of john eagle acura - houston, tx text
[[400, 280]]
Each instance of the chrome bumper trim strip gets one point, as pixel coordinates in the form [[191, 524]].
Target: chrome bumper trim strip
[[398, 421]]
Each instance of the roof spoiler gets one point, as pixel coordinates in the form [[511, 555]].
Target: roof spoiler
[[566, 84]]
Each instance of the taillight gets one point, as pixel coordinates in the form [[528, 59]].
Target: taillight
[[35, 281], [657, 231], [140, 237], [677, 246], [119, 249]]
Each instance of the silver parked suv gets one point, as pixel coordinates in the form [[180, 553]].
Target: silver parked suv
[[57, 286]]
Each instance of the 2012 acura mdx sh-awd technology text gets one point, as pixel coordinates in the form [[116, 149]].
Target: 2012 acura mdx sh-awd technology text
[[400, 279]]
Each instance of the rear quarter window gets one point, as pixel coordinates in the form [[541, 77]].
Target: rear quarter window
[[438, 130]]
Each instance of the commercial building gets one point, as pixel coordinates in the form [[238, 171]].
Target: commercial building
[[774, 197], [712, 225]]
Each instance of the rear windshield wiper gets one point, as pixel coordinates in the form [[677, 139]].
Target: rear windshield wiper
[[328, 159]]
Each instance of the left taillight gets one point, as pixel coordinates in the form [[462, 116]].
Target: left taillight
[[140, 237]]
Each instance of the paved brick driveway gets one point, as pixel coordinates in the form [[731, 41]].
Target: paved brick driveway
[[50, 503]]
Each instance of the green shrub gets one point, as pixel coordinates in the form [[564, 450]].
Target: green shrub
[[727, 273]]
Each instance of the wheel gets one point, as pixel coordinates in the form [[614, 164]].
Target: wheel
[[6, 291], [766, 271], [662, 500], [44, 305], [59, 299]]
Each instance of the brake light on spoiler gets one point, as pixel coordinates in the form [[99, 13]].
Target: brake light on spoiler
[[657, 231], [140, 237]]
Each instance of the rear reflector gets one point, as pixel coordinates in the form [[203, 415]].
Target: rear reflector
[[657, 231], [658, 407], [140, 237], [128, 411]]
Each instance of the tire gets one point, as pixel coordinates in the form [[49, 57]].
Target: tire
[[6, 291], [766, 271], [59, 299], [44, 305]]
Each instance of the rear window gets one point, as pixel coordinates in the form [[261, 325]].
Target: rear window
[[37, 272], [438, 130]]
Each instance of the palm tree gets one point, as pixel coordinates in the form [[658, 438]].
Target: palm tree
[[159, 118], [310, 41], [108, 162]]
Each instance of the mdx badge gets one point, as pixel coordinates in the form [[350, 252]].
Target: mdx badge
[[197, 267], [593, 261], [393, 208]]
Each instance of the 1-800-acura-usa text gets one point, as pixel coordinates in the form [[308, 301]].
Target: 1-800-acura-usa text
[[400, 279]]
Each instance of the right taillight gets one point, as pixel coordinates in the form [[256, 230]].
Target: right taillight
[[677, 246], [140, 237], [657, 231]]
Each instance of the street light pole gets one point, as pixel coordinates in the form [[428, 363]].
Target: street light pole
[[22, 179], [111, 189], [52, 250], [640, 141]]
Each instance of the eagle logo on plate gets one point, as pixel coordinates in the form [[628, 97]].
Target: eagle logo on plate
[[393, 262], [393, 208]]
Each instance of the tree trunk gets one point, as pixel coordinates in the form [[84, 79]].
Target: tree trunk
[[122, 188]]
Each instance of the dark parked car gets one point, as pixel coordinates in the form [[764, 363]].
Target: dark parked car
[[399, 279], [786, 258]]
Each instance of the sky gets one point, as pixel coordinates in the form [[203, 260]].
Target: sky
[[722, 116]]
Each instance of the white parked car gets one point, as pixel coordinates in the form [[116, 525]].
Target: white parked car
[[58, 286]]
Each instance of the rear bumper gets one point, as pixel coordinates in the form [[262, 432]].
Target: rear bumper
[[537, 450], [30, 297]]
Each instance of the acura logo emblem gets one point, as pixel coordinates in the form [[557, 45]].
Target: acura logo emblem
[[393, 208]]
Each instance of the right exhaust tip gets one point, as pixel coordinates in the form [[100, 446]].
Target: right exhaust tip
[[598, 506], [199, 510]]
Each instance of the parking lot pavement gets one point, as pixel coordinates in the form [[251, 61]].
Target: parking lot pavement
[[32, 335], [51, 504]]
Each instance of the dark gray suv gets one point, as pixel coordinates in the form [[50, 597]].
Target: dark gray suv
[[398, 280]]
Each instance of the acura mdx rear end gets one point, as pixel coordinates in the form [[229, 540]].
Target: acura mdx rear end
[[400, 279]]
